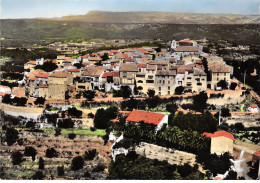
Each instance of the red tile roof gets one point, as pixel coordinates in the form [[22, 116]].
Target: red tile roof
[[32, 62], [106, 74], [3, 94], [73, 70], [185, 41], [253, 106], [217, 178], [85, 56], [141, 65], [84, 64], [60, 74], [219, 134], [147, 117], [42, 75], [257, 153]]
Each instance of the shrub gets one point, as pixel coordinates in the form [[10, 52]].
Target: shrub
[[87, 174], [77, 163], [65, 123], [99, 168], [38, 176], [30, 151], [71, 136], [41, 163], [50, 153], [179, 90], [91, 115], [90, 154], [11, 135], [151, 93], [60, 170], [17, 158]]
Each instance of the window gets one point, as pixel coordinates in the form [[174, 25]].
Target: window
[[225, 74], [179, 82], [188, 77], [139, 69], [168, 92], [199, 84], [159, 89], [159, 93], [139, 81], [169, 82], [149, 81], [124, 74], [217, 74], [169, 87], [217, 79], [163, 82]]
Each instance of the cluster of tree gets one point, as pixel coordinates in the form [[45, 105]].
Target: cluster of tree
[[88, 94], [14, 101], [214, 163], [103, 117], [179, 90], [133, 166], [65, 123], [51, 153], [73, 112], [125, 92], [90, 154], [253, 171], [170, 137], [47, 66], [11, 136], [11, 85], [30, 151], [22, 55], [12, 76], [39, 101], [223, 84], [205, 122]]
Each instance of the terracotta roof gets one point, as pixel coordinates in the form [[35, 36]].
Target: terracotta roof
[[61, 57], [85, 64], [3, 94], [106, 74], [141, 65], [253, 106], [148, 117], [18, 91], [60, 74], [85, 56], [217, 178], [42, 75], [219, 67], [94, 58], [128, 67], [197, 73], [257, 153], [120, 56], [32, 62], [219, 134], [186, 49], [73, 70], [93, 70], [31, 75], [185, 41], [44, 86], [151, 67], [2, 86], [172, 60], [166, 73]]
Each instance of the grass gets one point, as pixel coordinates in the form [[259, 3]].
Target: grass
[[54, 109], [30, 163], [76, 131], [242, 108]]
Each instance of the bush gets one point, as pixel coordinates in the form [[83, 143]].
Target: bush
[[179, 90], [92, 129], [71, 136], [233, 86], [57, 132], [60, 170], [90, 154], [30, 124], [151, 93], [51, 153], [99, 168], [11, 135], [65, 123], [38, 176], [91, 115], [225, 112], [77, 163], [73, 112], [30, 151], [17, 158], [87, 174], [39, 100], [41, 163], [223, 84], [232, 175]]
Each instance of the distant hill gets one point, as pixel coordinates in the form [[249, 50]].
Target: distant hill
[[241, 29], [161, 17]]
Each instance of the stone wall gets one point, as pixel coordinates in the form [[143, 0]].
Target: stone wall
[[27, 112], [172, 156], [247, 119]]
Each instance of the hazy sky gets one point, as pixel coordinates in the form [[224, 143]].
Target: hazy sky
[[58, 8]]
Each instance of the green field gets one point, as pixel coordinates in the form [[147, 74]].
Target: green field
[[76, 131]]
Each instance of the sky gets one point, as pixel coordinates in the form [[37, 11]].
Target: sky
[[58, 8]]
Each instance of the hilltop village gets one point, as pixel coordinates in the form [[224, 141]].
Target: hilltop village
[[177, 104]]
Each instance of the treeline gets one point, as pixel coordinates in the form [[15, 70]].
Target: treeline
[[133, 166]]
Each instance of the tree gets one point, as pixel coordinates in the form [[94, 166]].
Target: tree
[[71, 136], [19, 101], [11, 135], [51, 153], [47, 66], [57, 132], [39, 100], [90, 154], [200, 101], [232, 175], [60, 170], [233, 86], [103, 117], [17, 158], [172, 108], [89, 94], [253, 171], [30, 151], [225, 112], [38, 175], [179, 90], [65, 123], [73, 112], [30, 124], [223, 84], [126, 91], [41, 163], [7, 99], [77, 163], [239, 127], [105, 57], [151, 93]]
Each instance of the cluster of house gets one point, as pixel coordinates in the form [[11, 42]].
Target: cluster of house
[[144, 68]]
